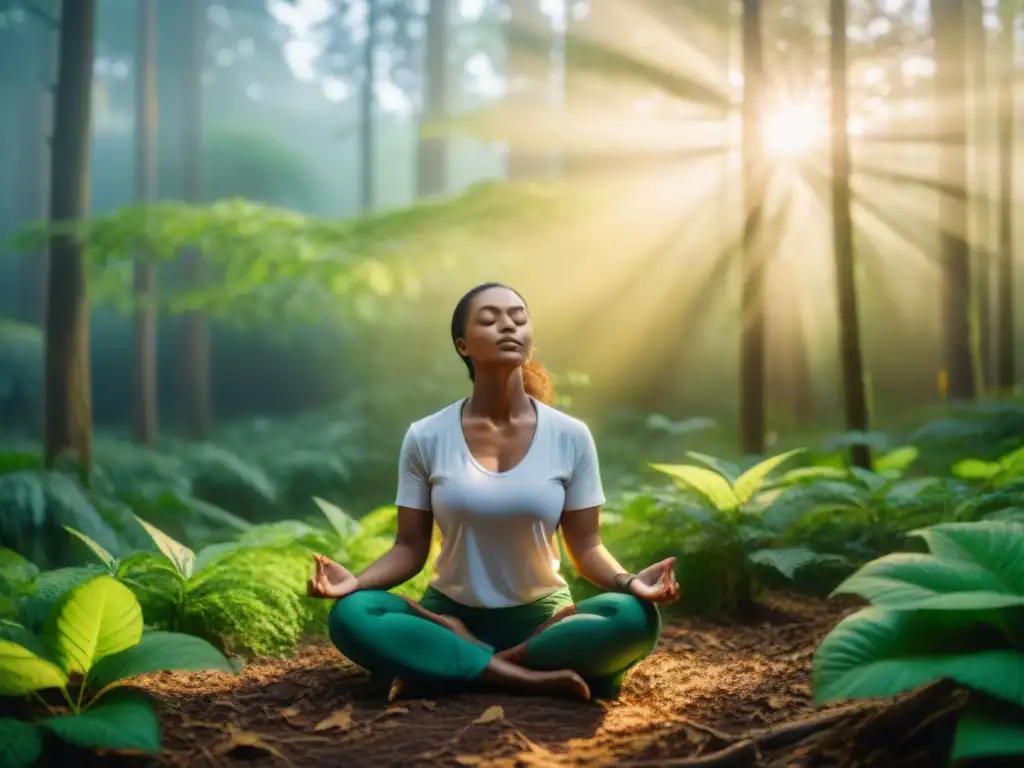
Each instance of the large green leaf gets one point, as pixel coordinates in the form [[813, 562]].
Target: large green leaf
[[726, 469], [750, 482], [159, 651], [880, 652], [910, 581], [122, 719], [989, 728], [22, 671], [21, 743], [994, 544], [711, 485], [105, 557], [342, 523], [183, 558], [98, 618]]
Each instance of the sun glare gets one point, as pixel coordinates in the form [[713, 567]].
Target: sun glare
[[794, 129]]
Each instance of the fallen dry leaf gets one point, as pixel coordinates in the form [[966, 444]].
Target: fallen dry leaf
[[490, 715], [340, 719], [244, 740], [289, 712], [396, 709], [467, 760]]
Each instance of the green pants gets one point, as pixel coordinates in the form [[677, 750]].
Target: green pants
[[606, 636]]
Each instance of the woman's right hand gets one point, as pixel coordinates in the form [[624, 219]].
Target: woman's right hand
[[330, 580]]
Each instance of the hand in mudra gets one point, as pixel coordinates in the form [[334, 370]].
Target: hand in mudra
[[330, 580], [657, 583]]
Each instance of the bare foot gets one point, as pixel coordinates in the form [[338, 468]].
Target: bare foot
[[561, 682]]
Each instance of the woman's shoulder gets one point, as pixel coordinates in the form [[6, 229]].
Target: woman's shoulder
[[438, 421], [564, 422]]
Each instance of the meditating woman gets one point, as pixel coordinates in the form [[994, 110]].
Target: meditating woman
[[500, 472]]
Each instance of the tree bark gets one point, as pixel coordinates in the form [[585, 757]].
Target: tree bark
[[34, 128], [851, 355], [1006, 363], [195, 344], [752, 332], [432, 155], [981, 146], [949, 21], [368, 103], [68, 394], [144, 369]]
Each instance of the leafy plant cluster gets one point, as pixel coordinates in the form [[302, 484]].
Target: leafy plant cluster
[[806, 518], [245, 595], [954, 612], [91, 644]]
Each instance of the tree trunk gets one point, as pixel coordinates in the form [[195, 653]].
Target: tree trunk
[[34, 127], [949, 21], [144, 370], [1006, 364], [195, 344], [852, 359], [68, 394], [981, 146], [368, 102], [432, 157], [752, 332]]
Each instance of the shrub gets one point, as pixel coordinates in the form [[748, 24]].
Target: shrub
[[955, 612]]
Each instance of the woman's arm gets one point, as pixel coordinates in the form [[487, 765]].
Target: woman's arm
[[407, 555], [582, 533]]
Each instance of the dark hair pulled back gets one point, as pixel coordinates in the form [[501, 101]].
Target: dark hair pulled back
[[536, 378]]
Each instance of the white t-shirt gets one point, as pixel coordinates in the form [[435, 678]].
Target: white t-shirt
[[498, 546]]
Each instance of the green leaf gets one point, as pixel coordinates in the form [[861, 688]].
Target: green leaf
[[790, 560], [22, 671], [183, 558], [121, 719], [21, 743], [879, 652], [342, 523], [988, 728], [156, 652], [750, 482], [976, 469], [909, 581], [711, 485], [898, 460], [98, 618], [105, 557], [726, 469]]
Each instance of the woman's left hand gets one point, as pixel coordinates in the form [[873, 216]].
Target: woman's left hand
[[657, 583]]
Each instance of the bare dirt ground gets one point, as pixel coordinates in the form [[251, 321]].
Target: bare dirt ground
[[727, 695]]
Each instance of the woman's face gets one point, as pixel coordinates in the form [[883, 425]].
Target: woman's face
[[498, 330]]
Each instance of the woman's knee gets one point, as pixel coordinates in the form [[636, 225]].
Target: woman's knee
[[634, 617], [351, 614]]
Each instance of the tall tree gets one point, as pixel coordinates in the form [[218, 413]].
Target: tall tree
[[432, 154], [752, 308], [851, 356], [144, 369], [949, 20], [32, 42], [196, 403], [981, 147], [368, 105], [1006, 363], [68, 393]]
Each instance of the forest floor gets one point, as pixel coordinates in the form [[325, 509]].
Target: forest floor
[[726, 695]]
